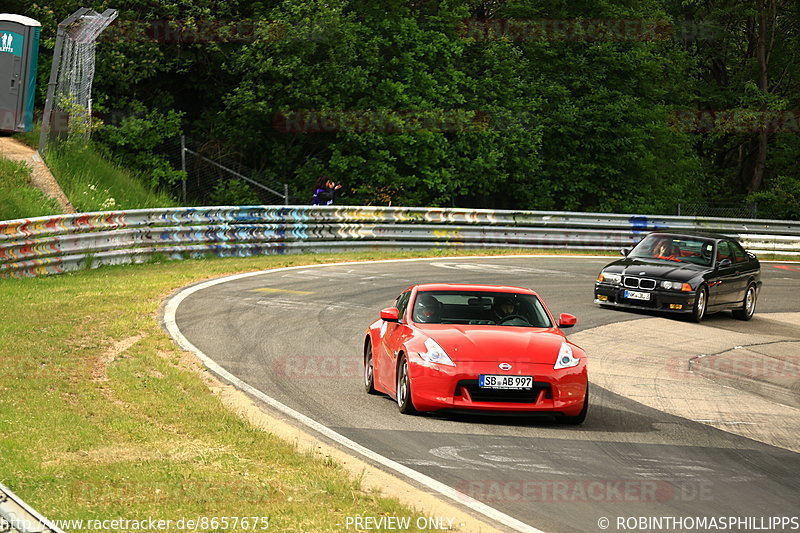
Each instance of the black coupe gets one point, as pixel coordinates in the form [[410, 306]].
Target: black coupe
[[689, 272]]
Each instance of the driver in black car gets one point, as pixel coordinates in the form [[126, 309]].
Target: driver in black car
[[503, 307]]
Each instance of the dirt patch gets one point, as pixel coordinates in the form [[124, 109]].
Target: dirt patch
[[100, 370], [178, 450], [41, 178]]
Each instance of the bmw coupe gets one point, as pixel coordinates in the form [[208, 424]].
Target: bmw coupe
[[691, 273]]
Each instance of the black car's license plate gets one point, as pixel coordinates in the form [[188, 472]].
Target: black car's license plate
[[636, 295]]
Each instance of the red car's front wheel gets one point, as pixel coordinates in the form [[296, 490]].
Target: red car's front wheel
[[580, 417], [404, 402]]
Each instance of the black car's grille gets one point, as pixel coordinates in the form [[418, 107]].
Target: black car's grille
[[639, 283], [477, 394]]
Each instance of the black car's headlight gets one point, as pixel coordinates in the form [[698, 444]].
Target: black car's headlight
[[676, 286], [609, 277]]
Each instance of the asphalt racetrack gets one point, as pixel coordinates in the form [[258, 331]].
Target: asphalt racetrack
[[297, 335]]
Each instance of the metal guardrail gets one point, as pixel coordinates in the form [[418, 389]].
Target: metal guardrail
[[18, 516], [55, 244]]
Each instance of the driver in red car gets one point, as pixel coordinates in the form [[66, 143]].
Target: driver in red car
[[503, 307], [427, 309]]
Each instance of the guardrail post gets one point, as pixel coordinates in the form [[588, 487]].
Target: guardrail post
[[183, 167], [285, 194]]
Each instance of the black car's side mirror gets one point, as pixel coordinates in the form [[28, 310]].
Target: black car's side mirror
[[625, 252], [725, 263]]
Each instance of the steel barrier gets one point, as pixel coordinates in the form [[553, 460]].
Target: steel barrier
[[55, 244], [18, 516]]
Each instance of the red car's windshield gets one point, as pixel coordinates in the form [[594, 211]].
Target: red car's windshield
[[674, 248], [480, 308]]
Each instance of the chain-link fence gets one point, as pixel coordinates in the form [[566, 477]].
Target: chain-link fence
[[216, 176], [68, 108], [720, 210]]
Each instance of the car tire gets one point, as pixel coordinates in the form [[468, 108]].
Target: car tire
[[748, 304], [369, 369], [404, 402], [700, 304], [580, 417]]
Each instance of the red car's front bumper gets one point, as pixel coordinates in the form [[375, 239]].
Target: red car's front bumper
[[435, 387]]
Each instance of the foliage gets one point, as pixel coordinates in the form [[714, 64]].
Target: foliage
[[18, 199], [135, 139], [233, 192], [780, 200], [93, 183], [440, 103]]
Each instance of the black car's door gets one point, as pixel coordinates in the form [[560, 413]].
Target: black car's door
[[722, 286], [745, 269]]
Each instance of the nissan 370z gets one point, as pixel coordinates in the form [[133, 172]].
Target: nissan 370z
[[476, 348]]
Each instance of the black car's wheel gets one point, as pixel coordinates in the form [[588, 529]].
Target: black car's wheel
[[404, 402], [369, 370], [700, 304], [580, 417], [748, 304]]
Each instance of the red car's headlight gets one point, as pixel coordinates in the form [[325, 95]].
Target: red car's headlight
[[566, 359], [436, 354]]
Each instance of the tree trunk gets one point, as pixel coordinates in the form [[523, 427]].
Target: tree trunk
[[764, 8]]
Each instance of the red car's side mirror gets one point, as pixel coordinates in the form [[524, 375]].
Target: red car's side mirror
[[566, 320], [390, 314]]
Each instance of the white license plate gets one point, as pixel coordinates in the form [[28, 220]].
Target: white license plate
[[634, 295], [489, 381]]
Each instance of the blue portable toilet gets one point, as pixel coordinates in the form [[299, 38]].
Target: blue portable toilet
[[19, 54]]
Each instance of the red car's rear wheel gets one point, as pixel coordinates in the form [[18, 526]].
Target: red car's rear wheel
[[369, 369]]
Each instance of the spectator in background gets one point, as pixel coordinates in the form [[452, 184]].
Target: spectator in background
[[324, 191]]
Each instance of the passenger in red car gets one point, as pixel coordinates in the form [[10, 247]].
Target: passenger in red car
[[503, 307]]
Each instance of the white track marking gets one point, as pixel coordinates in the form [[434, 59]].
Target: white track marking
[[171, 325], [445, 490]]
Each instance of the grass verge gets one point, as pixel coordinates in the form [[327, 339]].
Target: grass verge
[[30, 138], [103, 417], [93, 183], [18, 199]]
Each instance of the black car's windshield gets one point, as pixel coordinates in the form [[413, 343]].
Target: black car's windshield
[[480, 308], [675, 248]]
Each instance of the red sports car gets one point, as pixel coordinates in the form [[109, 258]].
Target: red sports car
[[476, 347]]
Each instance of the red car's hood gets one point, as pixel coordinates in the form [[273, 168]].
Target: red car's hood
[[497, 343]]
